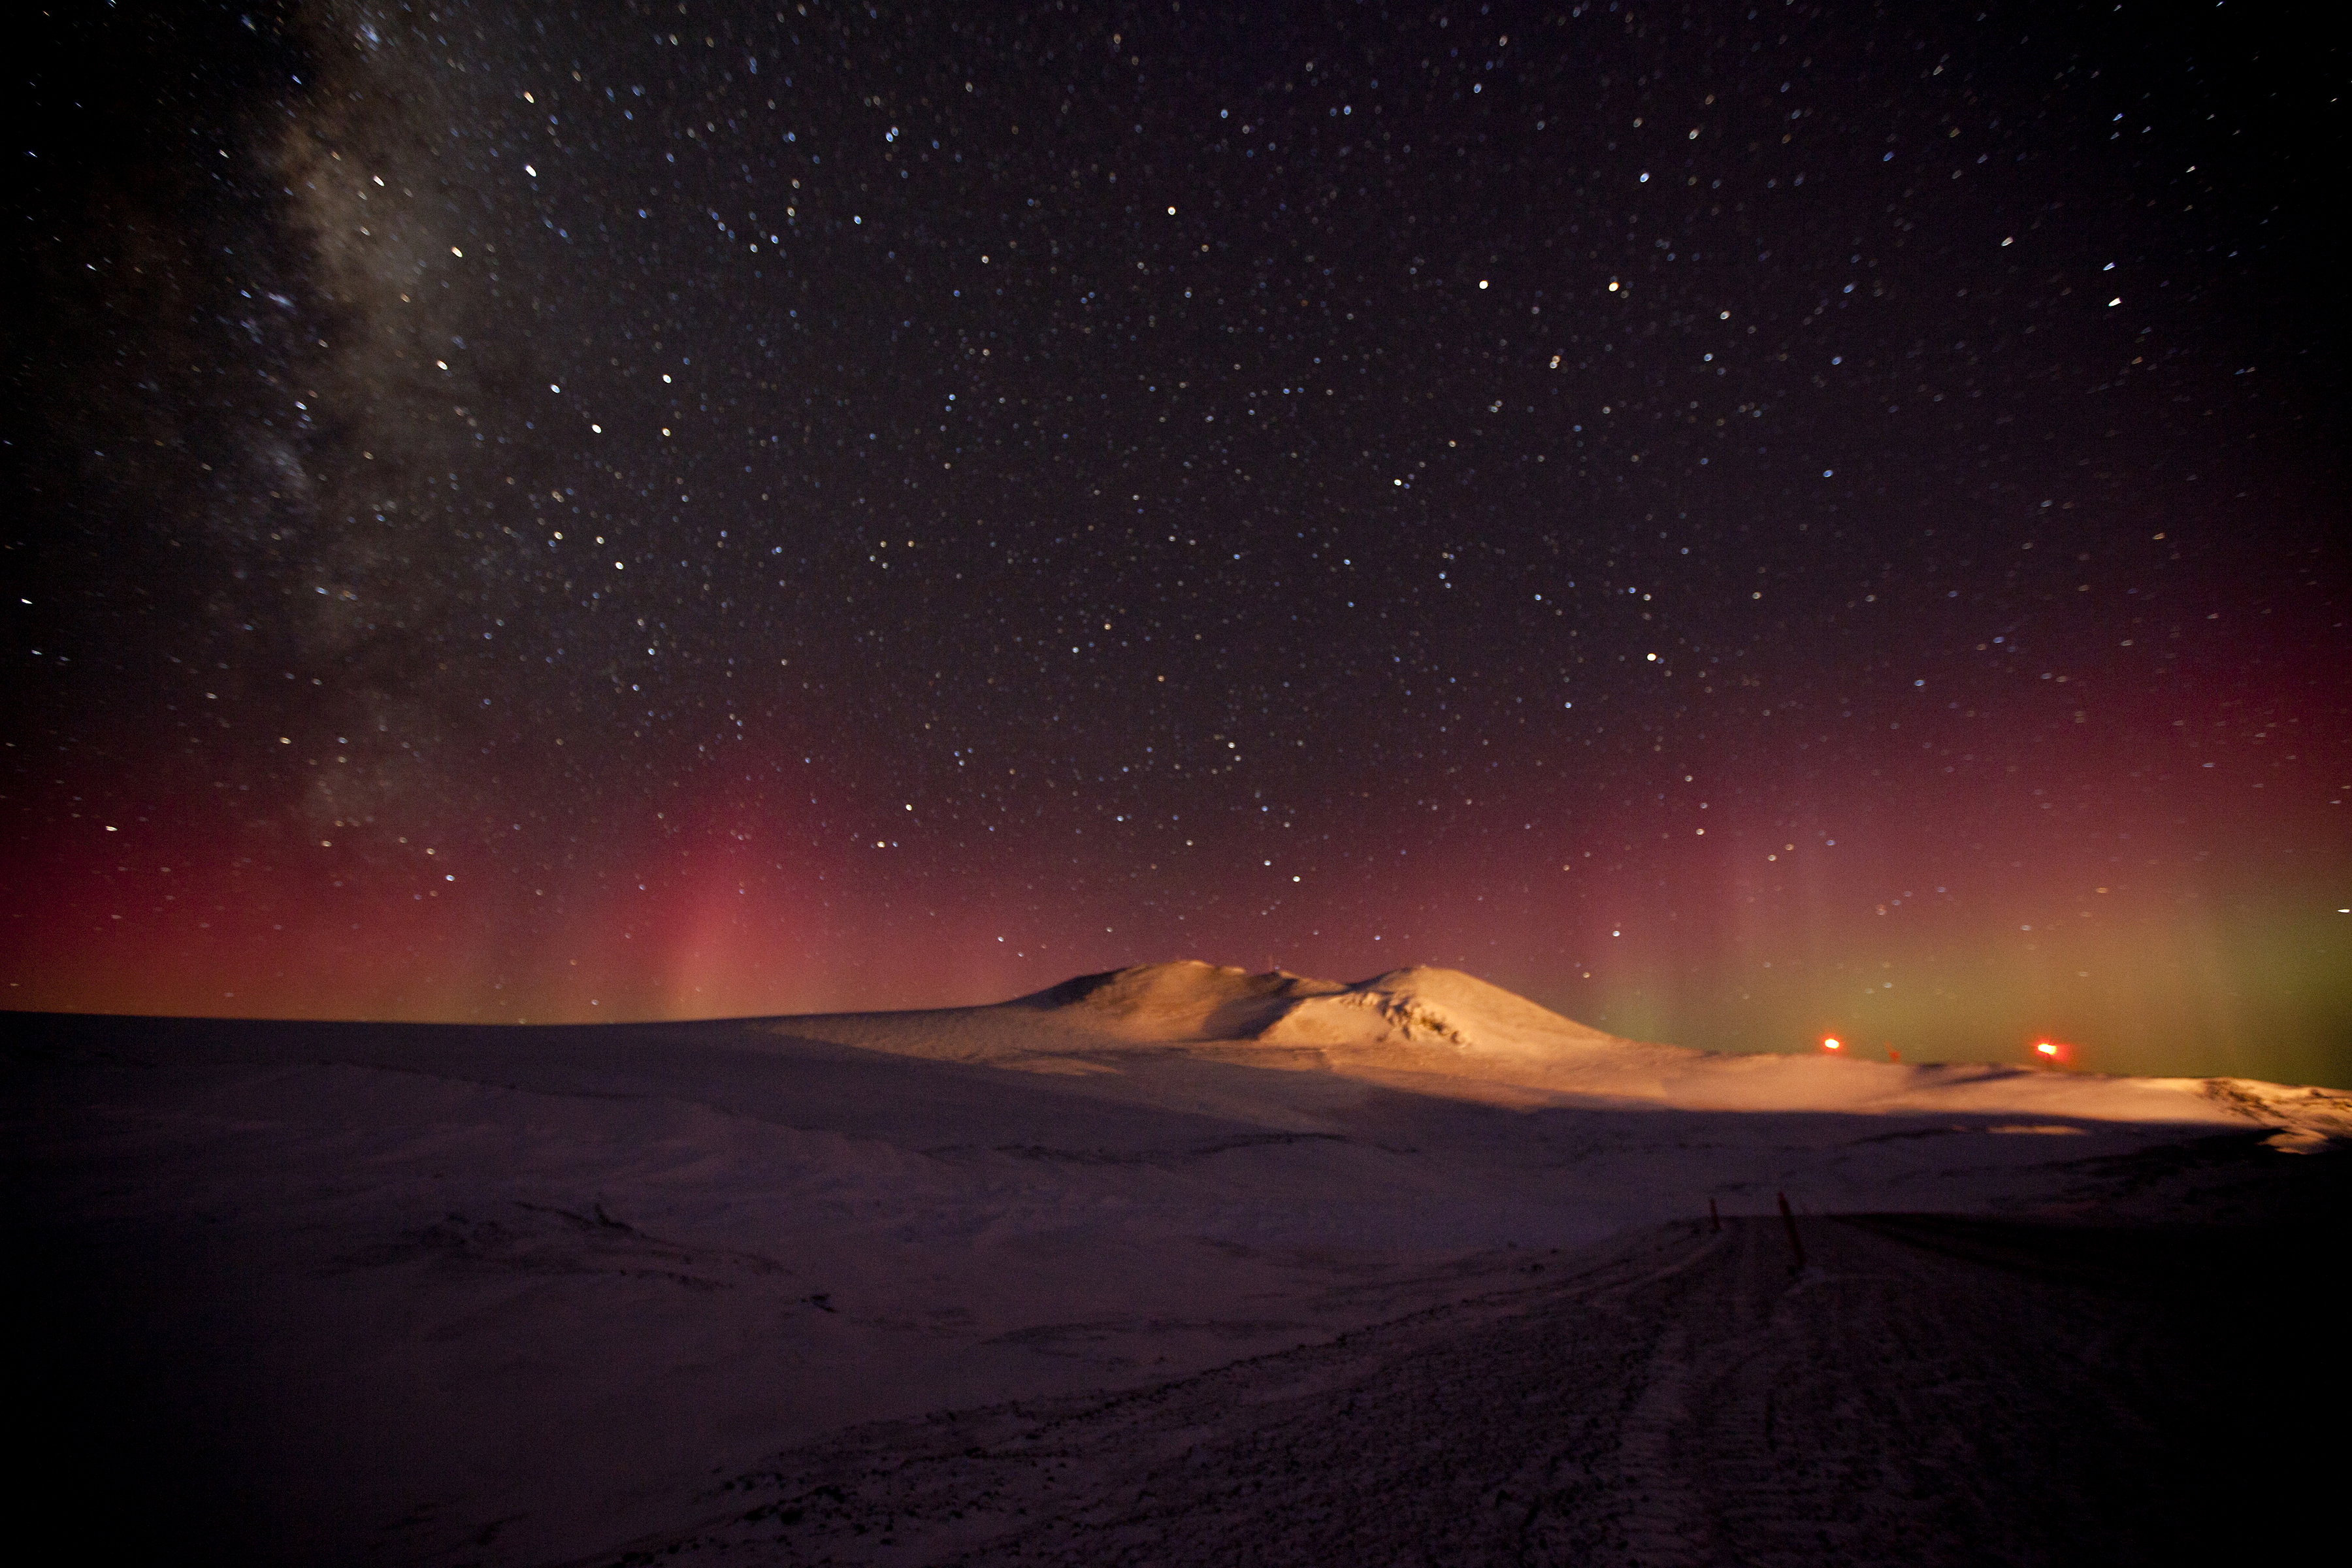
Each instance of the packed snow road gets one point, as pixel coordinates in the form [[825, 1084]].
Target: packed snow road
[[1927, 1390]]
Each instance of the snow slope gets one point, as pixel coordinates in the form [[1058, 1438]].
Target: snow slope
[[439, 1294], [1444, 1032], [1923, 1393]]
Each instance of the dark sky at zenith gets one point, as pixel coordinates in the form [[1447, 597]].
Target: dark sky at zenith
[[1739, 521]]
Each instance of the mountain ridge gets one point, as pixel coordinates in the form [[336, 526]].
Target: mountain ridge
[[1446, 1032]]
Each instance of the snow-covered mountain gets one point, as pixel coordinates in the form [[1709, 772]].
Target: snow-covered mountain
[[1443, 1032], [451, 1294]]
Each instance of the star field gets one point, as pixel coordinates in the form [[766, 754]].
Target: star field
[[1738, 523]]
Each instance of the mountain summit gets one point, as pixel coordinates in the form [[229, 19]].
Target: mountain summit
[[1446, 1033]]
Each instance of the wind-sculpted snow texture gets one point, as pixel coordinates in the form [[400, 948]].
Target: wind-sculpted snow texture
[[1925, 1392], [1250, 1246]]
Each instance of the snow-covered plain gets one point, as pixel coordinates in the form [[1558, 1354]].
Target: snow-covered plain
[[352, 1293]]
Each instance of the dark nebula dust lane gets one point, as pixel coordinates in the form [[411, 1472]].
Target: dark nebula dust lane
[[1739, 526]]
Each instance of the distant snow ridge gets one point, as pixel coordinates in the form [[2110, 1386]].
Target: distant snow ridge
[[1443, 1011], [1427, 1008], [1187, 1000], [2307, 1117], [1442, 1025]]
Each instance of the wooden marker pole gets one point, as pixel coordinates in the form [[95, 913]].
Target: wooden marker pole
[[1713, 1220], [1795, 1246]]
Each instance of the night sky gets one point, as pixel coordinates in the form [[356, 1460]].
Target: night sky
[[1737, 521]]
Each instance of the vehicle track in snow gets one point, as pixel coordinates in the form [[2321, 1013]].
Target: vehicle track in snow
[[1928, 1390]]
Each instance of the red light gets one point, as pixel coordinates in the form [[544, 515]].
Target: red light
[[2046, 1048], [1832, 1044]]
